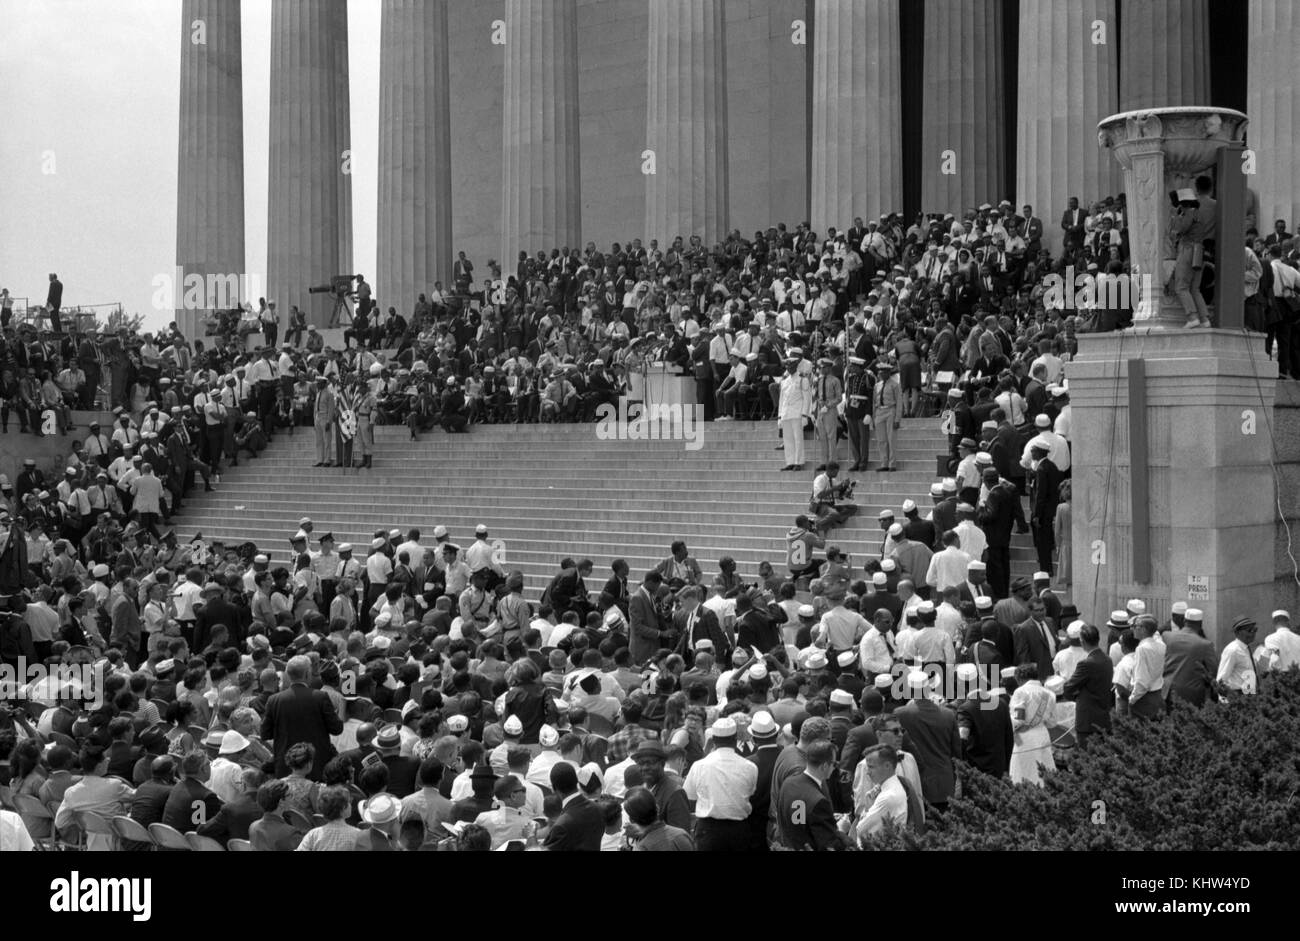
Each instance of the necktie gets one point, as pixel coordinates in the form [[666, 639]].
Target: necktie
[[1047, 637]]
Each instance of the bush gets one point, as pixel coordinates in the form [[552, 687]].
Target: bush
[[1224, 777]]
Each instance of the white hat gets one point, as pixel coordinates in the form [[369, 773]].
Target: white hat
[[807, 611], [306, 520], [925, 607], [762, 724], [983, 457], [163, 666], [885, 515], [724, 727], [439, 532], [260, 559], [909, 506], [458, 723], [1075, 630], [949, 485], [888, 565], [1055, 684], [976, 566], [984, 603], [917, 679], [380, 809], [967, 671], [846, 658], [841, 697], [589, 772], [757, 672], [936, 489], [1042, 577], [895, 530], [513, 726], [480, 530], [382, 642], [879, 578], [232, 742], [1194, 614], [815, 660], [345, 548], [1042, 421], [1280, 614], [702, 644], [548, 736], [1180, 607], [99, 571], [884, 680], [1136, 607], [376, 542], [1186, 195]]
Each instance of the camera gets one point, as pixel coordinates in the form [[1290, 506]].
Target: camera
[[340, 285]]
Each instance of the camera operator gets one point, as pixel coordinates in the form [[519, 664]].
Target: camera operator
[[1190, 224], [832, 501]]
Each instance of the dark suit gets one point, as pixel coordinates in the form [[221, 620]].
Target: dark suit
[[805, 815], [997, 518], [1090, 687], [1033, 647], [935, 741], [706, 627], [646, 624], [233, 820], [181, 811], [121, 760], [990, 737], [760, 802], [580, 827], [146, 808], [300, 714], [217, 611], [1190, 666]]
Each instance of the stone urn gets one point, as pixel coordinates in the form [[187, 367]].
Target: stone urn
[[1162, 149]]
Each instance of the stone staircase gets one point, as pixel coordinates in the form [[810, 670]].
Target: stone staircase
[[550, 491]]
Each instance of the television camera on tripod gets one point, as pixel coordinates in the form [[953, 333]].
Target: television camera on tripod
[[341, 287]]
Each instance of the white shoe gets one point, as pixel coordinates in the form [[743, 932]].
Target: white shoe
[[1192, 323]]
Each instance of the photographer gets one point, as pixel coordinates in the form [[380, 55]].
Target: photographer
[[831, 501]]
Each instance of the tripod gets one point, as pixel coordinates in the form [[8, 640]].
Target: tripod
[[341, 310]]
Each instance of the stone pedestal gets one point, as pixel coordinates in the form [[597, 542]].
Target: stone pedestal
[[541, 195], [1273, 103], [857, 112], [1210, 495], [307, 186], [210, 178], [1160, 151], [686, 122], [962, 118], [415, 197], [1165, 53], [1066, 84]]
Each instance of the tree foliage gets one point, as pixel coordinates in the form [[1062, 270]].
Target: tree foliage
[[1223, 777]]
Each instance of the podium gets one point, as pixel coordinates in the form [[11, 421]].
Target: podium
[[661, 384]]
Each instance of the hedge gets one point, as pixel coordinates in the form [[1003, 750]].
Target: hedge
[[1223, 777]]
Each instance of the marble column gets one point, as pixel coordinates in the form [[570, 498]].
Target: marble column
[[1164, 54], [541, 204], [306, 229], [210, 178], [414, 152], [686, 122], [1273, 104], [857, 112], [1067, 84], [343, 103], [962, 123]]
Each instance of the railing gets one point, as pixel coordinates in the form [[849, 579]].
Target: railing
[[79, 319]]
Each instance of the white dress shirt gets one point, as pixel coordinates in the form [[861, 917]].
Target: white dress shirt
[[874, 654], [888, 804], [947, 568], [1237, 669], [1283, 646], [721, 784], [1148, 668]]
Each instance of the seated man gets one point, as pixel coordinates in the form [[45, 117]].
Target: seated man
[[559, 399], [831, 501], [249, 436], [454, 418], [801, 540]]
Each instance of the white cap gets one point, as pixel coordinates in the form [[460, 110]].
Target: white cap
[[1180, 607], [984, 603], [1055, 684], [949, 485], [967, 671], [439, 532], [815, 660], [1042, 577], [757, 672], [841, 697], [895, 530], [888, 565], [909, 506], [232, 742], [724, 727], [883, 680], [1280, 614], [1194, 614], [548, 736], [885, 515], [936, 489], [458, 723], [925, 607], [1042, 421], [879, 578], [305, 521], [480, 530], [976, 566], [1136, 607], [846, 658], [807, 611], [513, 726], [1075, 630], [983, 457], [917, 679], [261, 559]]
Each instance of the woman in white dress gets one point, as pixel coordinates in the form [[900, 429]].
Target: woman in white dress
[[1032, 708]]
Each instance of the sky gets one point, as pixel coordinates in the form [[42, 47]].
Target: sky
[[89, 118]]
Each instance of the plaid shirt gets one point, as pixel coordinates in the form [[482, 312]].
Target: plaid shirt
[[335, 836], [623, 742]]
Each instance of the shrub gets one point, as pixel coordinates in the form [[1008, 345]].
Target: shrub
[[1223, 777]]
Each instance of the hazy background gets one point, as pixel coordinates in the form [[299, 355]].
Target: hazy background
[[94, 87]]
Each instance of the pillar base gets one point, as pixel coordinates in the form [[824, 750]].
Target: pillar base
[[1210, 496]]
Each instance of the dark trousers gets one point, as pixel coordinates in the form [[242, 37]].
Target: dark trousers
[[723, 836], [214, 436], [1288, 348], [1044, 544], [998, 560]]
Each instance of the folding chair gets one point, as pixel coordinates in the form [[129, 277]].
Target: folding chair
[[28, 806], [239, 846], [203, 844], [132, 831], [168, 838], [393, 715], [297, 819], [95, 824]]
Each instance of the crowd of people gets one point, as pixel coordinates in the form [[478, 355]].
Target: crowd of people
[[408, 696]]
